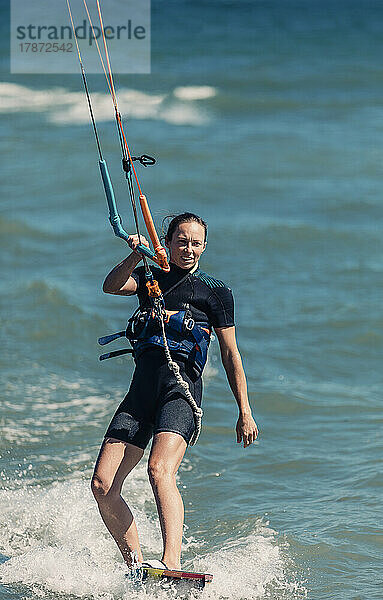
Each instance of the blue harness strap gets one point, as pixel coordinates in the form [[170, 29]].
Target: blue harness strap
[[186, 338]]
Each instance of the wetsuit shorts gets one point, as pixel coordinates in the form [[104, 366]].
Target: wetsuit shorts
[[155, 402]]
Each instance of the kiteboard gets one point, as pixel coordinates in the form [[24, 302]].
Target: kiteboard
[[196, 580]]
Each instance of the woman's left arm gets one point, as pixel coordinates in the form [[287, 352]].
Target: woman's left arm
[[246, 428]]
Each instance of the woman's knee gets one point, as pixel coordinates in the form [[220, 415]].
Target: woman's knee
[[100, 487], [159, 471]]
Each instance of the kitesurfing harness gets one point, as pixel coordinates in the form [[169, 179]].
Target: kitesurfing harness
[[193, 340], [187, 338], [176, 332]]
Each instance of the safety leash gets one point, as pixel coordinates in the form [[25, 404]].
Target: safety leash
[[174, 367], [159, 310]]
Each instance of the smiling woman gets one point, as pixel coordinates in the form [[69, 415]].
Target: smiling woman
[[166, 389], [186, 239]]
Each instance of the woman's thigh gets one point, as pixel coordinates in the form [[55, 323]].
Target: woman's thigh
[[115, 461], [167, 452]]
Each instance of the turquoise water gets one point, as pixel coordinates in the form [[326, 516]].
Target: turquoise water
[[267, 119]]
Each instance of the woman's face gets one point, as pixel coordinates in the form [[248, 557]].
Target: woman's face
[[187, 244]]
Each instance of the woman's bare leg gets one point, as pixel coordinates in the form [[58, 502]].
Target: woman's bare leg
[[167, 452], [115, 461]]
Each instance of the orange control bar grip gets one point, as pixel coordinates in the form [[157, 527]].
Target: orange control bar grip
[[153, 289], [158, 249]]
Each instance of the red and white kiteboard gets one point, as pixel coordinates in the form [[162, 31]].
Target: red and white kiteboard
[[197, 580]]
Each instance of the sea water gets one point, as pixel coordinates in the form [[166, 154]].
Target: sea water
[[267, 119]]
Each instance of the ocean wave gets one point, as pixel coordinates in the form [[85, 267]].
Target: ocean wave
[[38, 293], [254, 566], [42, 408], [22, 229], [51, 326], [50, 302], [40, 532], [277, 233], [291, 396], [65, 107], [54, 539]]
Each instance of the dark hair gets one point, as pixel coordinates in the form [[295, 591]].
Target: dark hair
[[186, 217]]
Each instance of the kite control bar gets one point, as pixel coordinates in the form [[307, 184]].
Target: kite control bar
[[114, 217]]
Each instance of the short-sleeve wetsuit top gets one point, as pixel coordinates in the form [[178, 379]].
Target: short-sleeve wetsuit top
[[208, 299], [155, 402]]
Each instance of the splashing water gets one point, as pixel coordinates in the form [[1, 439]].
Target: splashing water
[[55, 542]]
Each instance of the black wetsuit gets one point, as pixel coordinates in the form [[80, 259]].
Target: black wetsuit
[[155, 402]]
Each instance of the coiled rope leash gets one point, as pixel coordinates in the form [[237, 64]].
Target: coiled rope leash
[[158, 308], [173, 366]]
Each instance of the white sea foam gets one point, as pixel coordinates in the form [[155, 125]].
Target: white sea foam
[[56, 542], [64, 107], [249, 568], [195, 92], [55, 538]]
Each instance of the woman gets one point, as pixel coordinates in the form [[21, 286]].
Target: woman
[[156, 404]]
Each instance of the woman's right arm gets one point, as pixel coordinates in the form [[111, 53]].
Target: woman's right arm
[[119, 280]]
